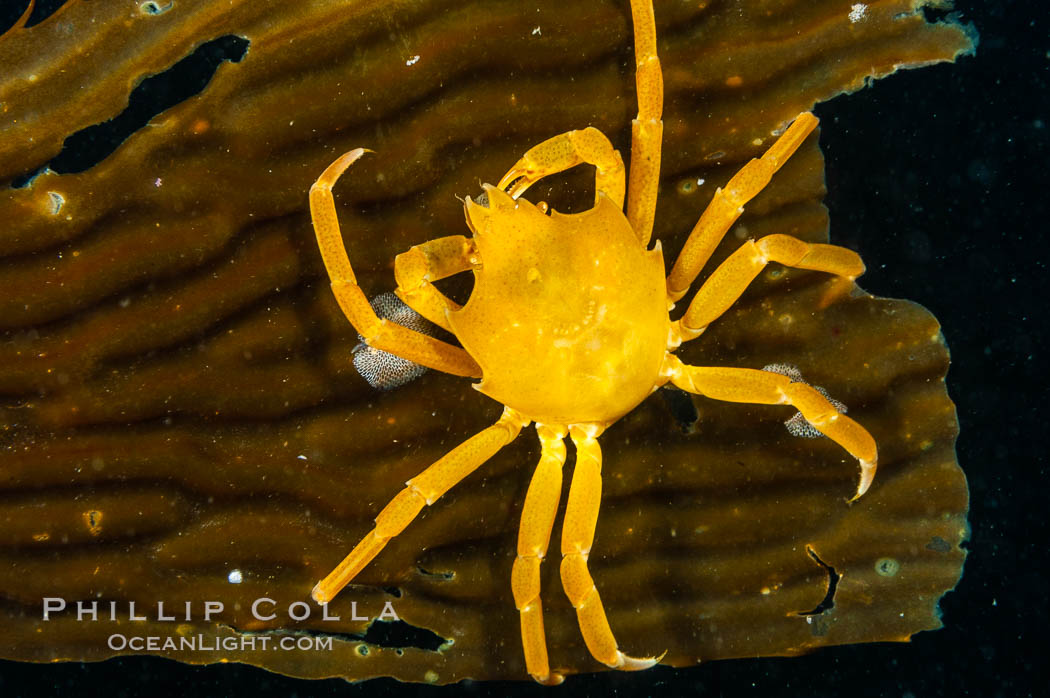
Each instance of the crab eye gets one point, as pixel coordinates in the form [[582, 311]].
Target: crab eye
[[482, 200]]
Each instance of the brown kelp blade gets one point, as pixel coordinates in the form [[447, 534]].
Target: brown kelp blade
[[181, 422]]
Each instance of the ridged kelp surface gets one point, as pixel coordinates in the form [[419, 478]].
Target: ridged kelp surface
[[178, 400]]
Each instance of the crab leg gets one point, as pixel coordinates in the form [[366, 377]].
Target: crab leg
[[432, 261], [377, 332], [564, 151], [647, 128], [534, 535], [728, 203], [424, 488], [732, 277], [768, 388], [581, 517]]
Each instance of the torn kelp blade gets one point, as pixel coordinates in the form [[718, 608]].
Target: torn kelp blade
[[179, 401]]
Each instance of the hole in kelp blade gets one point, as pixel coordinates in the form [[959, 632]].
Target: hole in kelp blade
[[389, 634], [11, 12], [397, 634], [682, 408], [833, 581], [155, 94]]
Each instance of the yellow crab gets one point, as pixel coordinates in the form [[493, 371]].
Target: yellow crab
[[568, 327]]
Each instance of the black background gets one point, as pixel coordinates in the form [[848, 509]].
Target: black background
[[938, 178]]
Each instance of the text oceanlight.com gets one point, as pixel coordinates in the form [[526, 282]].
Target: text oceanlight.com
[[119, 642]]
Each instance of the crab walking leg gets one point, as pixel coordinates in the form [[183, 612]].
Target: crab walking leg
[[534, 535], [728, 203], [732, 277], [581, 517], [564, 151], [647, 129], [768, 388], [432, 261], [377, 332], [424, 488]]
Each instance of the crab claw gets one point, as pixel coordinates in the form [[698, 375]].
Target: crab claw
[[519, 178], [626, 663]]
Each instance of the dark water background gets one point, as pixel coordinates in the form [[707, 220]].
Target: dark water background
[[938, 177]]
